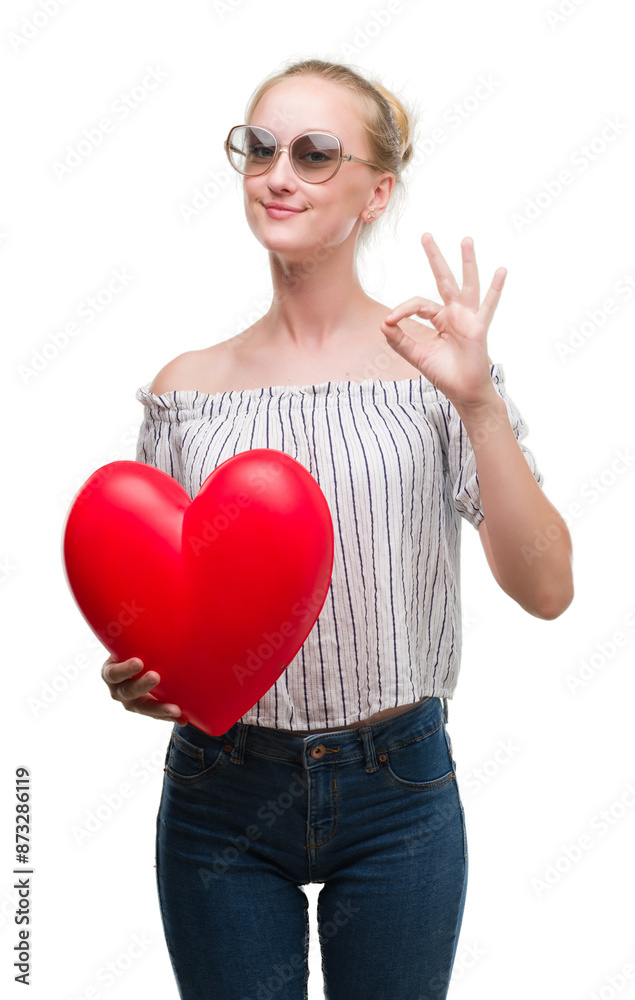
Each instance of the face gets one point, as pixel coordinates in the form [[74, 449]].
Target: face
[[331, 210]]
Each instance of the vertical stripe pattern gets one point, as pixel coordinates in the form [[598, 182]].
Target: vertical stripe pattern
[[398, 472]]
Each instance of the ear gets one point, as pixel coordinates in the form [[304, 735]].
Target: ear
[[381, 193]]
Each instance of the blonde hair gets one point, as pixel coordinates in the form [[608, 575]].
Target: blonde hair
[[388, 121]]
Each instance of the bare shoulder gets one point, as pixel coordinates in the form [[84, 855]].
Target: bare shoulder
[[184, 371]]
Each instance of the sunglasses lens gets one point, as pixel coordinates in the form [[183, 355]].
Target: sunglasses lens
[[315, 155], [251, 149]]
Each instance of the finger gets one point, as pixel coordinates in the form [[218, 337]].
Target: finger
[[147, 705], [470, 293], [448, 288], [134, 696], [415, 306], [488, 306], [113, 671], [403, 344], [135, 688], [166, 710]]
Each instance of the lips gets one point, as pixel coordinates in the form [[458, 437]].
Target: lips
[[282, 208]]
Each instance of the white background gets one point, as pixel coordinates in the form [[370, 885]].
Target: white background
[[195, 282]]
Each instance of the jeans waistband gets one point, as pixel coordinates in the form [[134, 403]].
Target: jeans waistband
[[337, 745]]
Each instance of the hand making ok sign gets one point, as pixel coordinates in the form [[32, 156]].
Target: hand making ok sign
[[456, 359]]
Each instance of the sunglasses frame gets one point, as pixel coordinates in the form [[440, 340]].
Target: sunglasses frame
[[280, 149]]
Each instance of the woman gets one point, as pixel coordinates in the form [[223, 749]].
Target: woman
[[343, 772]]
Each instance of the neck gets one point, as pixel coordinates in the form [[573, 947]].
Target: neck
[[317, 298]]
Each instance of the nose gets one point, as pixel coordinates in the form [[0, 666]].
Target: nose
[[284, 165]]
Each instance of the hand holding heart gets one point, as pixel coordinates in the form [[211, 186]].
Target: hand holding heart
[[218, 593], [130, 684], [455, 361]]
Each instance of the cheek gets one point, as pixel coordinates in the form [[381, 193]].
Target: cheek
[[338, 213], [341, 225], [249, 203], [252, 210]]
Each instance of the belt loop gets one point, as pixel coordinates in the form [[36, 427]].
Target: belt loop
[[369, 749], [445, 709], [237, 754]]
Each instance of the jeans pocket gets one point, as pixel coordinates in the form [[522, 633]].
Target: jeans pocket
[[421, 763], [189, 762]]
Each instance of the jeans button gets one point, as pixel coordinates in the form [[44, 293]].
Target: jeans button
[[318, 751]]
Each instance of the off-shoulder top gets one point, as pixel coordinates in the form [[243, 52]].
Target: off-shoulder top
[[398, 471]]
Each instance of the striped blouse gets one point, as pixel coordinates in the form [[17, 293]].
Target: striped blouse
[[398, 472]]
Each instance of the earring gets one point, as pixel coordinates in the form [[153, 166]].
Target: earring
[[371, 215]]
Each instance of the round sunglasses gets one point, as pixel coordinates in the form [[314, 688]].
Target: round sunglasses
[[315, 156]]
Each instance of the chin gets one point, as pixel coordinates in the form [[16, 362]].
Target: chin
[[280, 242]]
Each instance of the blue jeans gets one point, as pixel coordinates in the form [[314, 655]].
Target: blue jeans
[[373, 813]]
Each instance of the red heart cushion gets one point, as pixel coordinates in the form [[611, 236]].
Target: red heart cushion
[[218, 593]]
